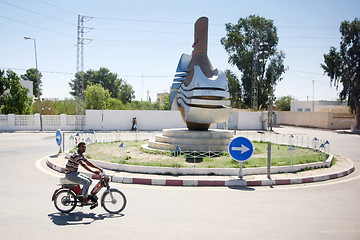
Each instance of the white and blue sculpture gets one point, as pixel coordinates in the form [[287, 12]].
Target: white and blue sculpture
[[199, 91]]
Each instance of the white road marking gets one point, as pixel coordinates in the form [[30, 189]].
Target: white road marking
[[47, 171]]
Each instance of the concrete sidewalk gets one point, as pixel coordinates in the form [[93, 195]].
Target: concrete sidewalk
[[342, 168]]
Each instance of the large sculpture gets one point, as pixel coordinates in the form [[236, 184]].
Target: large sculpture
[[200, 92]]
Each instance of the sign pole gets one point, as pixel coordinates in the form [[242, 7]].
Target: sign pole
[[269, 160], [241, 175], [63, 143], [241, 149]]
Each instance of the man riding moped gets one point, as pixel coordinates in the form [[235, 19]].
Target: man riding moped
[[72, 174]]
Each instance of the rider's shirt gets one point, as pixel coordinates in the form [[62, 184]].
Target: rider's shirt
[[73, 163]]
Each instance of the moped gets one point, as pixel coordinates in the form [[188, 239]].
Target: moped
[[68, 196]]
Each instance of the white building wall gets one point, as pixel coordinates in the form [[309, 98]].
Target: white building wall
[[308, 106], [122, 119], [110, 120], [28, 85]]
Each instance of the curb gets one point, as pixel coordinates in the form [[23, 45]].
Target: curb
[[217, 183]]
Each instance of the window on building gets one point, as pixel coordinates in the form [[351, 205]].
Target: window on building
[[307, 109], [300, 109]]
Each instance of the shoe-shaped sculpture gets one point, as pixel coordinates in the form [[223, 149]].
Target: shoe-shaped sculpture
[[200, 92]]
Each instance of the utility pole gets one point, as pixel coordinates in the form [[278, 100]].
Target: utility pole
[[79, 98]]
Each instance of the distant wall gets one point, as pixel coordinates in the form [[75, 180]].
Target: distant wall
[[107, 120], [328, 120], [122, 119]]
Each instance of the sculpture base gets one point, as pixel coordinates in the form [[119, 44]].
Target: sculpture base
[[213, 140]]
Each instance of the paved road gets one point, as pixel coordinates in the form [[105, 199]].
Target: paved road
[[328, 210]]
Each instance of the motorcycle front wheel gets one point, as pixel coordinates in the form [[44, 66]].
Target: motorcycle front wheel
[[113, 201], [65, 201]]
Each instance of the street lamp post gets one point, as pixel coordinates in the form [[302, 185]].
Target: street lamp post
[[38, 80]]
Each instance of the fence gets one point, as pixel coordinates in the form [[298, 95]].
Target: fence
[[123, 150]]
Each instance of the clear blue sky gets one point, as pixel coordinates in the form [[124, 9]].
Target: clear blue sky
[[142, 41]]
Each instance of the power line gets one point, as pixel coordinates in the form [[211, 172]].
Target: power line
[[21, 69], [63, 9], [303, 37], [305, 78], [307, 72], [37, 13], [35, 26], [310, 27], [141, 20], [72, 73], [137, 41]]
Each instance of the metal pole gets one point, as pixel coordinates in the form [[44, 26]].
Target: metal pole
[[63, 142], [269, 160], [271, 99], [38, 85], [241, 175]]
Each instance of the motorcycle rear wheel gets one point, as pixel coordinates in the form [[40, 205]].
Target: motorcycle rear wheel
[[65, 201]]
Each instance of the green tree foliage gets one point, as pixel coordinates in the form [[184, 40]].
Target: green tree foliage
[[166, 102], [284, 103], [126, 94], [235, 90], [96, 97], [30, 75], [67, 106], [13, 98], [117, 87], [115, 104], [141, 105], [252, 48], [343, 66], [47, 107]]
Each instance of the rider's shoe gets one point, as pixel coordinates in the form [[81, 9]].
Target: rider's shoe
[[94, 206]]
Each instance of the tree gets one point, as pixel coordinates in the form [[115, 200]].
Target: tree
[[30, 75], [127, 93], [13, 98], [117, 87], [235, 90], [96, 97], [67, 106], [343, 66], [47, 107], [115, 104], [251, 44], [284, 103], [166, 103]]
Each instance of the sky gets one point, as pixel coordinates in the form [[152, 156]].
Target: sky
[[142, 40]]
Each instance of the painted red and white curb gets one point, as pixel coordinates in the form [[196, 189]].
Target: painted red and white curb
[[207, 183]]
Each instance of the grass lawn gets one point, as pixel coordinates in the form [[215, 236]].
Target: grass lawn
[[133, 154]]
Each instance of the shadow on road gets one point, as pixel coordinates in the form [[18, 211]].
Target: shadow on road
[[247, 189], [79, 218]]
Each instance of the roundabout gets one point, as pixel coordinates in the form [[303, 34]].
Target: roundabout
[[343, 168]]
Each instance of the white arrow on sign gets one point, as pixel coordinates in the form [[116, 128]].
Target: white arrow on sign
[[243, 149]]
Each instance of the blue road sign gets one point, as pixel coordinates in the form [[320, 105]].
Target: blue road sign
[[241, 149], [58, 137]]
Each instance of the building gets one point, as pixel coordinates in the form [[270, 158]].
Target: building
[[28, 85], [319, 114], [319, 106]]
